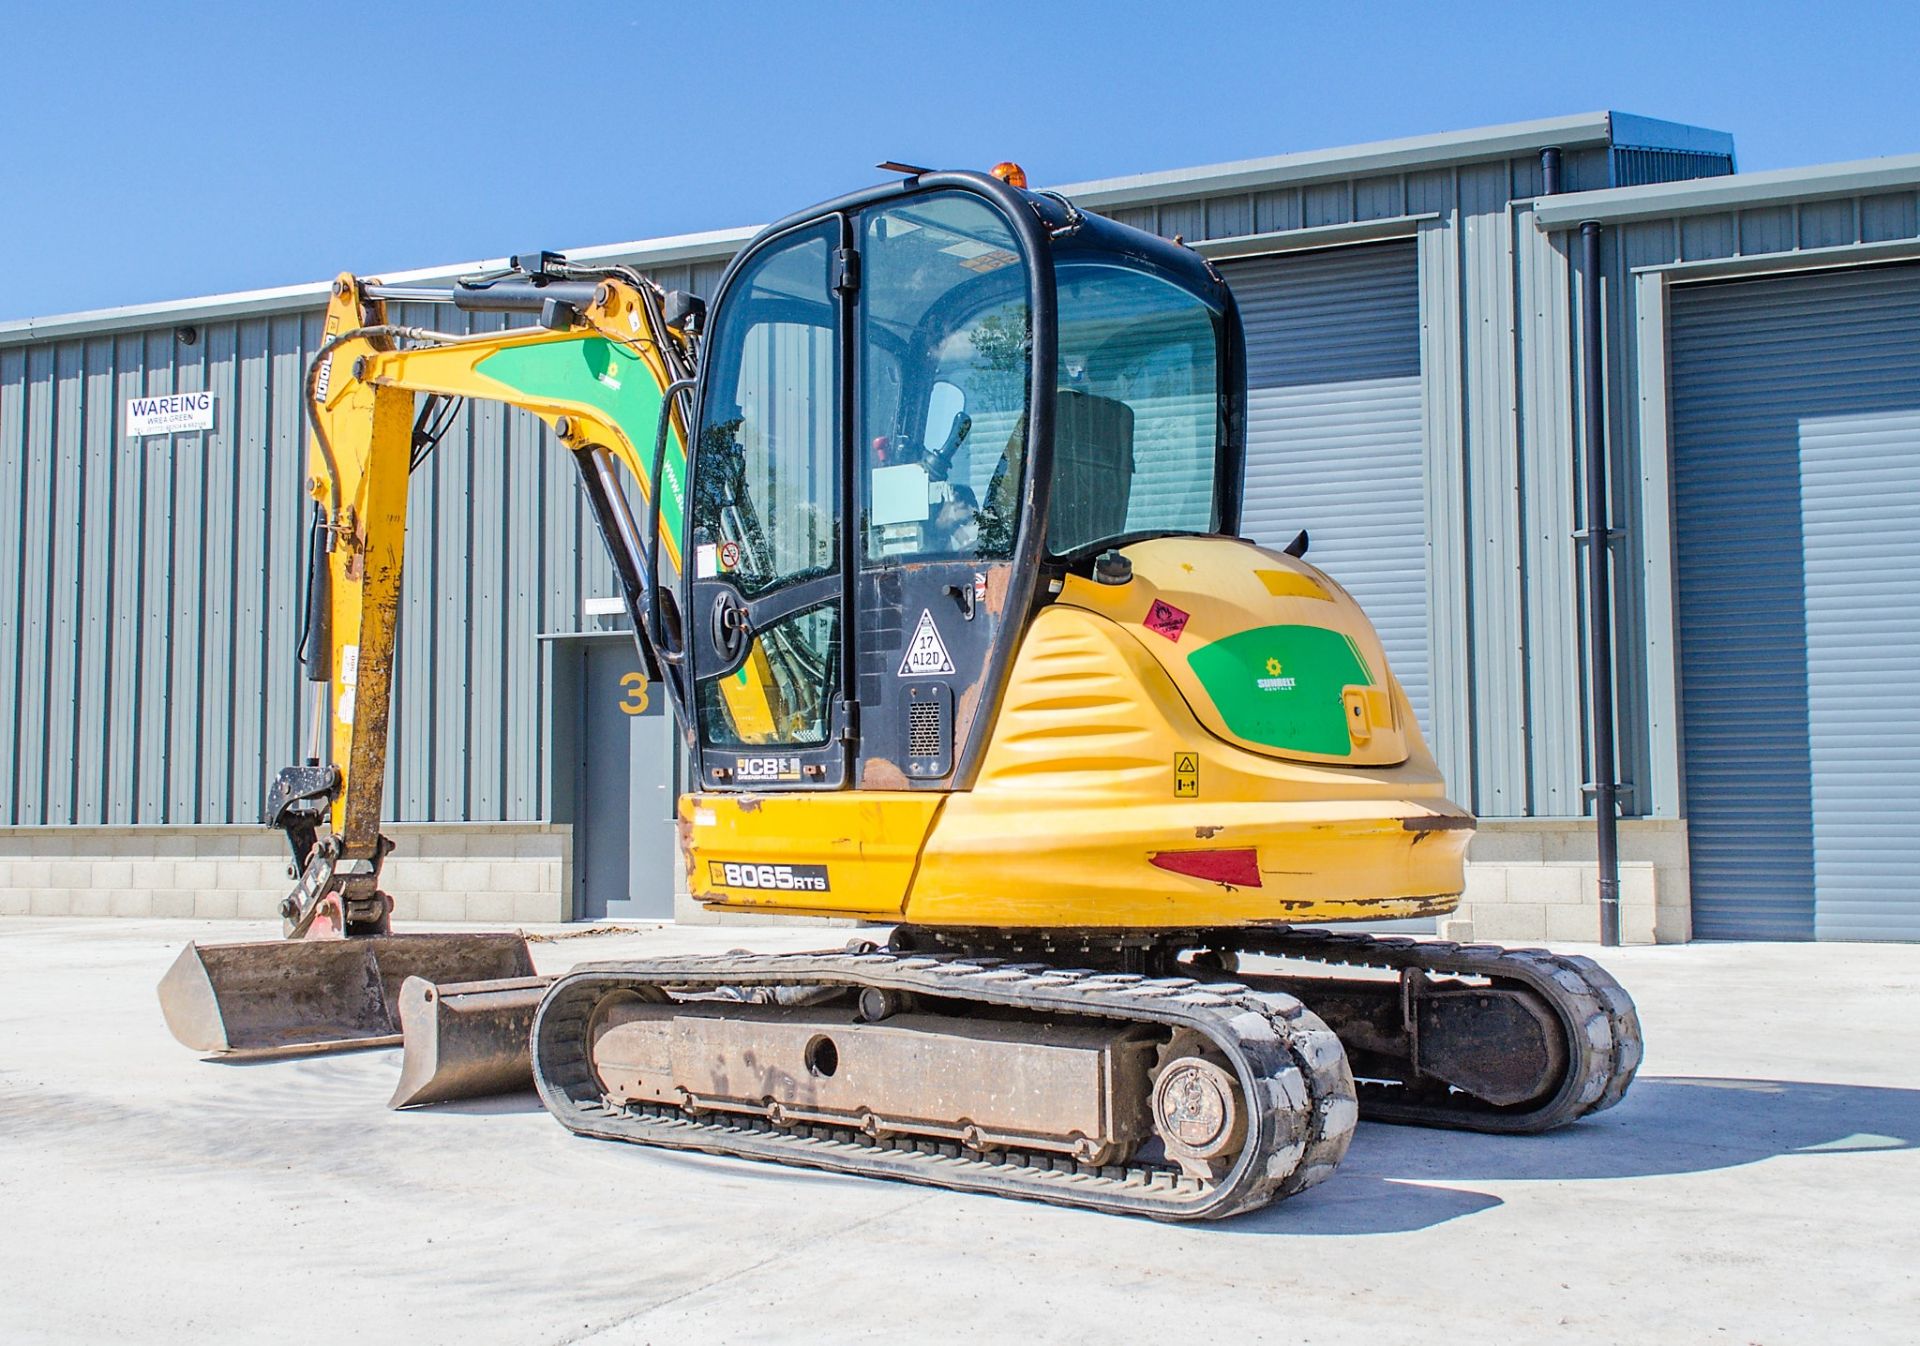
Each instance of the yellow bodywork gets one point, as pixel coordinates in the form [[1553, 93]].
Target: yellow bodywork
[[1102, 756]]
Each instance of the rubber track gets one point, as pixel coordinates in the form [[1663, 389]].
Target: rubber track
[[1286, 1058], [1602, 1028]]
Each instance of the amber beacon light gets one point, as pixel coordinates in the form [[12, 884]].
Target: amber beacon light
[[1010, 173]]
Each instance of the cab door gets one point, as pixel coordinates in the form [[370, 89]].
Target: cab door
[[767, 604], [944, 340]]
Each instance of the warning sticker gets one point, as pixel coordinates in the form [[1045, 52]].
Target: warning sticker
[[1164, 619], [1186, 775], [729, 556], [926, 652]]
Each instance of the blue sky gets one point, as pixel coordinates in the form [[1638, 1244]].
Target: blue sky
[[158, 151]]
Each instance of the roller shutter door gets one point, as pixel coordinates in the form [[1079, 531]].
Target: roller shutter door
[[1796, 459], [1334, 434]]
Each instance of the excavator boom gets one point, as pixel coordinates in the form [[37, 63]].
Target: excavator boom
[[598, 370]]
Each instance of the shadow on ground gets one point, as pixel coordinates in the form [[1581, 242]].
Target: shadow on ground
[[1400, 1179], [1395, 1179], [1674, 1124], [498, 1105]]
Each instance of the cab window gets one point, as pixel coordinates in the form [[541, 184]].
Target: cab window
[[1140, 416], [946, 339]]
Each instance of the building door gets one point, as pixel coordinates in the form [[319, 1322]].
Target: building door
[[624, 802], [1796, 471], [1335, 431]]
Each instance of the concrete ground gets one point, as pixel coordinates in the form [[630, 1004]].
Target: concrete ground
[[1759, 1184]]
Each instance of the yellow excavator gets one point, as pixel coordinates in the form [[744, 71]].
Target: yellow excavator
[[927, 529]]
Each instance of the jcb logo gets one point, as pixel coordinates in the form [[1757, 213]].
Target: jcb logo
[[767, 768], [768, 878]]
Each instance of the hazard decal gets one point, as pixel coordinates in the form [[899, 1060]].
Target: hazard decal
[[1164, 619], [926, 652]]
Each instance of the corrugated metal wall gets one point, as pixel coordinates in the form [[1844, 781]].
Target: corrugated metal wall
[[1494, 299], [1787, 232], [1796, 463], [148, 614]]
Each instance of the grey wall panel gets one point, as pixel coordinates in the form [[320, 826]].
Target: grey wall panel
[[1448, 607], [1796, 444], [1544, 300], [1825, 224], [37, 513], [1228, 216], [1703, 237], [1276, 210], [149, 614], [1493, 493], [1334, 435], [13, 505], [1887, 217], [1325, 203], [1379, 198], [1635, 747], [64, 592]]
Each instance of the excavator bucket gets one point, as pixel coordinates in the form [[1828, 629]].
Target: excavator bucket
[[466, 1039], [321, 994]]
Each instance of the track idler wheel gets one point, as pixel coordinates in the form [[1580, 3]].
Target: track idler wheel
[[1196, 1107]]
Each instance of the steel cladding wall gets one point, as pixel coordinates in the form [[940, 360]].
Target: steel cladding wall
[[149, 614], [1659, 247], [147, 623]]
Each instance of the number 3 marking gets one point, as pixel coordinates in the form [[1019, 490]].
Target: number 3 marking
[[635, 701]]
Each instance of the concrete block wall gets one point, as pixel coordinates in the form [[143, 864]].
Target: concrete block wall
[[500, 873], [1528, 881], [1532, 880]]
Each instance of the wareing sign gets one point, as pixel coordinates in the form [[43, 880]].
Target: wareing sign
[[176, 413]]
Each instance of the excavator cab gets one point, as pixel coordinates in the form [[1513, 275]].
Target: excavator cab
[[945, 431], [920, 406]]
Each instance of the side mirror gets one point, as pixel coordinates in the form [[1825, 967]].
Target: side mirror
[[684, 312]]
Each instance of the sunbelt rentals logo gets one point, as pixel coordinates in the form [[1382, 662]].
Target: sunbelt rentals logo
[[1276, 679]]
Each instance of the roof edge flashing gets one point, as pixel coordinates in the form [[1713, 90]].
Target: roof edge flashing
[[712, 245], [1486, 142], [1701, 195]]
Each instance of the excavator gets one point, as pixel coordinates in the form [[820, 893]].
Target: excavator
[[927, 527]]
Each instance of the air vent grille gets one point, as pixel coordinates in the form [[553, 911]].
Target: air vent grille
[[924, 737]]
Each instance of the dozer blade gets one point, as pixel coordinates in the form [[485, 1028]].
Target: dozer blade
[[466, 1039], [319, 995]]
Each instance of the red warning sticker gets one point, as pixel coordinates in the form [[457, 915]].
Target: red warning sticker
[[1165, 619]]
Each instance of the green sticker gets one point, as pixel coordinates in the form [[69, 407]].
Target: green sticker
[[1280, 686], [614, 381]]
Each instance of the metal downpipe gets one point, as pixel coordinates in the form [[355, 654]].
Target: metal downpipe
[[1599, 538]]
